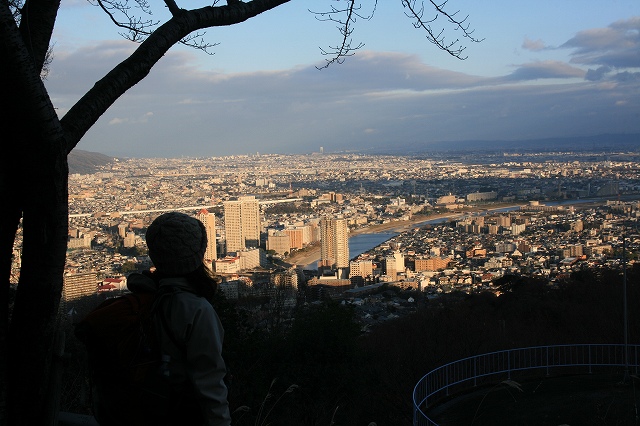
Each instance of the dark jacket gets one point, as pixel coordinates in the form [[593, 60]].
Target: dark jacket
[[191, 333]]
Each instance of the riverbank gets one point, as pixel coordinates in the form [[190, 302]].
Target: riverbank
[[312, 254]]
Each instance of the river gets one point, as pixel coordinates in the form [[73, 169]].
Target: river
[[361, 243]]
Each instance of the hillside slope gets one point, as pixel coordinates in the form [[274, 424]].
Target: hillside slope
[[86, 162]]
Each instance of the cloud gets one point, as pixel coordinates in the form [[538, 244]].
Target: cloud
[[117, 120], [373, 99], [626, 76], [597, 74], [533, 45], [545, 69], [190, 102], [74, 72], [142, 119], [616, 46]]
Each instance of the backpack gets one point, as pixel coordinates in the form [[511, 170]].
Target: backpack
[[131, 379]]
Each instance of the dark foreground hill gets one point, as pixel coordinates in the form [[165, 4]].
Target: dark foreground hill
[[318, 369], [85, 162]]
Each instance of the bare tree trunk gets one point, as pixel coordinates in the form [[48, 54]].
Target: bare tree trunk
[[33, 323], [36, 184], [34, 180], [11, 215], [10, 192], [8, 228]]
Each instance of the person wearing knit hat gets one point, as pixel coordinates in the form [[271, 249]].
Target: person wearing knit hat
[[177, 243], [189, 330]]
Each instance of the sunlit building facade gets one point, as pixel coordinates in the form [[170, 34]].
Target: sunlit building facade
[[209, 221], [242, 223], [334, 241]]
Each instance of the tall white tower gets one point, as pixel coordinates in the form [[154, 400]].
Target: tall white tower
[[334, 243], [242, 223]]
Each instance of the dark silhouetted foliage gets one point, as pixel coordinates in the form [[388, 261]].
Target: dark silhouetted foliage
[[344, 377]]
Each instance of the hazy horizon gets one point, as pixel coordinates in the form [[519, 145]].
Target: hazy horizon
[[594, 143]]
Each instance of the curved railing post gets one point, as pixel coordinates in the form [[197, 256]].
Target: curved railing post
[[446, 379], [475, 372], [547, 360], [429, 389]]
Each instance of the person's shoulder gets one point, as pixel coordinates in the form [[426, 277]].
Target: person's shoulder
[[182, 294], [141, 283], [190, 297]]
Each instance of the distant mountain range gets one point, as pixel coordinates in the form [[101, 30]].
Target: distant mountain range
[[596, 143], [86, 162]]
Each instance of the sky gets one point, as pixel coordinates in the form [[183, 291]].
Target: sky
[[543, 69]]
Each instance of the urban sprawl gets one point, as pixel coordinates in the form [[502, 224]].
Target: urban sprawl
[[270, 216]]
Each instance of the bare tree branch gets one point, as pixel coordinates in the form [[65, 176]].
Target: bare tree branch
[[454, 48], [137, 28], [35, 20], [173, 7], [345, 26], [126, 16], [346, 17]]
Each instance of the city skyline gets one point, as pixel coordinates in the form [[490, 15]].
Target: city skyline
[[569, 69], [489, 231]]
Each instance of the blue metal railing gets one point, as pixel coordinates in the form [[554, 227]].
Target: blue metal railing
[[468, 372]]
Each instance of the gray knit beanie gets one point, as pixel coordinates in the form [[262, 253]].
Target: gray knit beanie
[[177, 243]]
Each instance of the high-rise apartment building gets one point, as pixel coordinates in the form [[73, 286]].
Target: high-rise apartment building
[[122, 229], [130, 240], [76, 286], [279, 242], [334, 242], [394, 264], [504, 221], [296, 237], [361, 268], [242, 223], [209, 221]]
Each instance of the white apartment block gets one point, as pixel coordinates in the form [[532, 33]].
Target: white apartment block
[[242, 223], [252, 258]]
